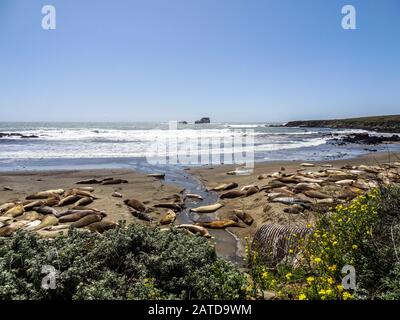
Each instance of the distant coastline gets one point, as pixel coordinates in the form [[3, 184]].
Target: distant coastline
[[389, 123]]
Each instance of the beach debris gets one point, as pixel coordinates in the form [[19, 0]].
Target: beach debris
[[116, 194], [168, 218], [275, 243], [245, 217], [217, 224], [207, 209], [196, 229], [225, 186]]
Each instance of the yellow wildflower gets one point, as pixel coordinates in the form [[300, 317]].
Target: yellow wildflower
[[302, 297], [347, 296]]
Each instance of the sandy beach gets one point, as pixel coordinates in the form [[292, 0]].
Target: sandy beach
[[150, 191], [257, 205]]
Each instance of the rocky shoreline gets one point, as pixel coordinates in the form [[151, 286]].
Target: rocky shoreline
[[379, 123]]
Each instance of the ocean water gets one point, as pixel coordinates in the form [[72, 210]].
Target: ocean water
[[119, 144]]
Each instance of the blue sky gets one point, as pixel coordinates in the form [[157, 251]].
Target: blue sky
[[232, 60]]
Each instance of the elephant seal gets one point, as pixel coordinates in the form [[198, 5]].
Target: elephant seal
[[15, 211], [52, 233], [141, 215], [135, 204], [75, 216], [207, 209], [174, 206], [79, 210], [46, 210], [294, 209], [114, 181], [81, 193], [47, 221], [87, 220], [168, 218], [6, 206], [251, 190], [225, 186], [245, 217], [346, 182], [193, 196], [307, 165], [102, 226], [217, 224], [289, 200], [195, 229], [45, 194], [32, 204], [32, 215], [232, 194], [157, 175], [316, 194], [84, 201], [88, 181], [69, 200], [11, 228]]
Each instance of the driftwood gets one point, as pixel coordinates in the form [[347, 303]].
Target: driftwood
[[272, 243]]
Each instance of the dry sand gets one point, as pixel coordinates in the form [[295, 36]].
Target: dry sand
[[146, 189], [151, 190], [257, 205]]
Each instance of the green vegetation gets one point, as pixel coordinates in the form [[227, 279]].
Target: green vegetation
[[140, 262], [133, 262], [364, 234]]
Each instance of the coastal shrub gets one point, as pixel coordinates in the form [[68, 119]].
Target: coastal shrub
[[130, 262], [364, 233]]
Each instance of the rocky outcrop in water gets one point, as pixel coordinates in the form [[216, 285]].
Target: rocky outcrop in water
[[10, 135], [365, 138], [203, 120]]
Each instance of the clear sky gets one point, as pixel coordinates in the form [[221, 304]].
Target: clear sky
[[232, 60]]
